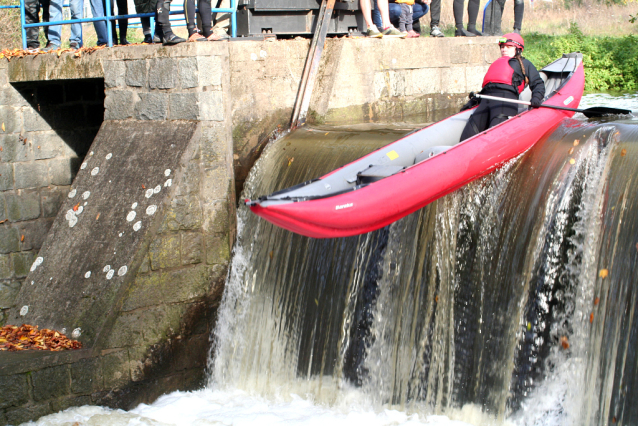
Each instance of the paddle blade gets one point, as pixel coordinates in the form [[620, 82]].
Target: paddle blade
[[601, 111]]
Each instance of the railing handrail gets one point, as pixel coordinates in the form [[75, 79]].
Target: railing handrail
[[109, 19]]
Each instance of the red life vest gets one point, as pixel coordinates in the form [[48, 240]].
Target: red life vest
[[501, 72]]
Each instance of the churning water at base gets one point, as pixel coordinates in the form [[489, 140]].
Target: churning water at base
[[510, 301]]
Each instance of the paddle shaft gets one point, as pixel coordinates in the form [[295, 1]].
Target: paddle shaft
[[589, 112], [515, 101]]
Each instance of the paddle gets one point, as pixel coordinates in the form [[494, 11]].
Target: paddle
[[589, 112]]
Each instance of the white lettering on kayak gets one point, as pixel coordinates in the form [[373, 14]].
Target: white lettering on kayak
[[344, 206], [568, 100]]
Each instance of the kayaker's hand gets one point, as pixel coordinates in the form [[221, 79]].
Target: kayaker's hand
[[536, 102], [471, 104]]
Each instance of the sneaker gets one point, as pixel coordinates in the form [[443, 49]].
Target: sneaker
[[463, 33], [413, 34], [197, 37], [33, 49], [172, 39], [393, 33], [436, 32], [373, 32], [148, 39], [74, 45], [50, 47], [517, 30]]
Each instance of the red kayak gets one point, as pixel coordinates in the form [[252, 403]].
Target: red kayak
[[419, 168]]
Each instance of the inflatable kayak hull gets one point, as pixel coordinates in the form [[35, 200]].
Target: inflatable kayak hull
[[419, 168]]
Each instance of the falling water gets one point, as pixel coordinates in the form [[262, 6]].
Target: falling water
[[486, 301], [510, 301]]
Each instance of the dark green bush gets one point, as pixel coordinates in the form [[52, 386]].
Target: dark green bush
[[610, 62]]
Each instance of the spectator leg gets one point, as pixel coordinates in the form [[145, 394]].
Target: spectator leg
[[418, 10], [122, 9], [205, 17], [31, 16], [385, 14], [376, 15], [77, 12], [97, 9], [146, 25], [457, 9], [162, 16], [366, 10], [44, 5], [472, 12], [519, 8], [55, 14], [394, 12], [403, 18], [189, 16], [435, 13]]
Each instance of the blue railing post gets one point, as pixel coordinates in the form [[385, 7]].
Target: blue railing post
[[107, 12], [233, 17], [22, 22], [152, 26]]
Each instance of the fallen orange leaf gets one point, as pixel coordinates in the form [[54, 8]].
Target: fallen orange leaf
[[596, 301], [623, 152], [603, 273], [576, 142], [571, 150], [591, 318], [564, 342], [22, 238]]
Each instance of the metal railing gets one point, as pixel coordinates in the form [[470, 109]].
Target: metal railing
[[109, 19]]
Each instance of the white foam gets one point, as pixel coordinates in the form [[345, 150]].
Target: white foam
[[235, 407]]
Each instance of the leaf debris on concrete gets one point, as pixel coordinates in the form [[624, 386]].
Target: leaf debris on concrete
[[14, 338]]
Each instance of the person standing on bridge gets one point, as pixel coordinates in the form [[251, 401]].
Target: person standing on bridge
[[507, 77], [472, 14]]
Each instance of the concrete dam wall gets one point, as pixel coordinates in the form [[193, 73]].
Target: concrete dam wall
[[118, 179]]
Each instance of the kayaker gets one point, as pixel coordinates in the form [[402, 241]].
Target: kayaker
[[506, 78]]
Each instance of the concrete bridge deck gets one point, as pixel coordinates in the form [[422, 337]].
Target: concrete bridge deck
[[118, 176]]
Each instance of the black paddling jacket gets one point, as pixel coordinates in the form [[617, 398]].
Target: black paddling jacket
[[494, 79]]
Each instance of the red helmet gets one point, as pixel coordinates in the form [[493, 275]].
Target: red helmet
[[512, 39]]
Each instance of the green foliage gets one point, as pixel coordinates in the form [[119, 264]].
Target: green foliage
[[609, 62]]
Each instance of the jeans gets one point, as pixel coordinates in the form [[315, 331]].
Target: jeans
[[98, 9], [418, 10], [55, 14]]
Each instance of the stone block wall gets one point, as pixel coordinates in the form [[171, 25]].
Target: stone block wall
[[143, 298], [45, 132]]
